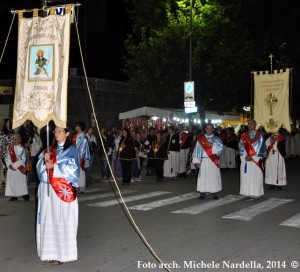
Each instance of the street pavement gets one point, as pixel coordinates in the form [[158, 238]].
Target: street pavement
[[185, 233]]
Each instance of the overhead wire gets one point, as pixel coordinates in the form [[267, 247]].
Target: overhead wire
[[121, 201]]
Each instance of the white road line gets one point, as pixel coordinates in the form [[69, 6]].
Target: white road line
[[108, 194], [127, 199], [164, 202], [292, 222], [247, 214], [202, 207]]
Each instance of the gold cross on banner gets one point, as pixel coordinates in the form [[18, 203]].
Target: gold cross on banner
[[270, 101]]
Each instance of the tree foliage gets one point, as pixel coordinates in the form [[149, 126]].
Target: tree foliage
[[229, 40]]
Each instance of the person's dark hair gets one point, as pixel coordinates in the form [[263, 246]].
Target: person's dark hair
[[210, 124], [128, 135], [81, 125], [67, 143], [3, 127]]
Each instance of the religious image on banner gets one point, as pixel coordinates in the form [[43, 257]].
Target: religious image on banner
[[42, 68], [41, 62], [271, 100]]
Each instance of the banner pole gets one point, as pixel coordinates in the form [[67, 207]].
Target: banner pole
[[48, 151]]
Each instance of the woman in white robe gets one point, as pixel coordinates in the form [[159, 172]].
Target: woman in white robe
[[57, 218]]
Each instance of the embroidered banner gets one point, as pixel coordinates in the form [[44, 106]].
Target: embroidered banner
[[271, 100], [42, 72]]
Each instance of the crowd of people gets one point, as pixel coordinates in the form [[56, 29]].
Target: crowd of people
[[60, 161]]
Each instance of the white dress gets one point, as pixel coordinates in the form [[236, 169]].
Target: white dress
[[275, 173], [16, 183], [57, 220]]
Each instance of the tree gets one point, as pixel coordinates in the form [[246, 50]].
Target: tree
[[229, 41]]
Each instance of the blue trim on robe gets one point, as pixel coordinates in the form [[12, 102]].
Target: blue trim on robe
[[259, 146], [82, 146], [199, 151], [67, 163]]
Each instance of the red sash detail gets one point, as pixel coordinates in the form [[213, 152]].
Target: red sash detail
[[278, 139], [14, 158], [208, 149], [183, 138], [64, 190], [247, 142]]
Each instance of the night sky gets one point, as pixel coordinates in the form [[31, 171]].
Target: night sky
[[103, 26]]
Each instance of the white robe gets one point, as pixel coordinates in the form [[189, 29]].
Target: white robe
[[275, 173], [251, 178], [230, 154], [183, 158], [16, 183], [171, 164], [209, 176], [57, 220], [60, 219]]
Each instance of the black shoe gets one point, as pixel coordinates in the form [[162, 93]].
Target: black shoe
[[279, 188], [26, 197], [249, 199], [202, 197], [215, 197], [13, 199]]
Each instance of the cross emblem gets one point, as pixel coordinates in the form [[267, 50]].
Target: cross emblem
[[270, 101]]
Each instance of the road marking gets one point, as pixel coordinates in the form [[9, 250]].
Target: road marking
[[292, 222], [164, 202], [247, 214], [202, 207], [127, 199], [108, 194]]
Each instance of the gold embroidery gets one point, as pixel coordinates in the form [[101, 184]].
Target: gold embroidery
[[272, 124], [270, 101]]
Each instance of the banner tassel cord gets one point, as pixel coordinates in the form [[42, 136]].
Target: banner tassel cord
[[119, 197]]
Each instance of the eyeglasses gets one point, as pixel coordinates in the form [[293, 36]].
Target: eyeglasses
[[59, 131]]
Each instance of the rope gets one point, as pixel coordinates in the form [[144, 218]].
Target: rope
[[124, 206], [12, 21]]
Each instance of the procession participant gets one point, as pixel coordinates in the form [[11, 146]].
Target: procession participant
[[205, 157], [81, 142], [252, 151], [16, 183], [231, 148], [275, 173], [105, 149], [93, 147], [185, 141], [171, 165], [158, 153], [57, 216], [6, 141], [148, 142], [126, 153], [141, 154]]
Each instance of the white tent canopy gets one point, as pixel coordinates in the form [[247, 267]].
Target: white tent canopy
[[148, 111]]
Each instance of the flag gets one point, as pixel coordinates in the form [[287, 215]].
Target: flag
[[271, 100], [42, 69]]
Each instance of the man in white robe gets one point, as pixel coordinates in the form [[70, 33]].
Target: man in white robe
[[15, 159], [275, 172], [206, 158], [252, 150]]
